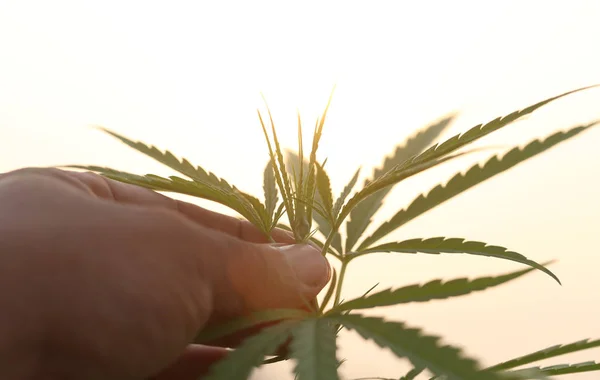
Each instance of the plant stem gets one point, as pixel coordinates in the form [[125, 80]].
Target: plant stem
[[338, 291], [329, 240]]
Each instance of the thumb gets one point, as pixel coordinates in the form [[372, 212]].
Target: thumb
[[249, 277]]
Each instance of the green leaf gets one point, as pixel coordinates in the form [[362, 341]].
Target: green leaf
[[232, 199], [432, 290], [239, 364], [546, 353], [196, 173], [562, 369], [182, 166], [323, 224], [462, 182], [324, 189], [314, 348], [337, 239], [390, 178], [438, 245], [246, 322], [270, 189], [281, 176], [292, 160], [302, 199], [345, 192], [414, 145], [324, 227], [311, 180], [279, 155], [481, 130], [361, 215], [300, 179], [422, 350], [413, 373], [526, 374]]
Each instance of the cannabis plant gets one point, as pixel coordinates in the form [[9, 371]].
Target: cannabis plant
[[298, 198]]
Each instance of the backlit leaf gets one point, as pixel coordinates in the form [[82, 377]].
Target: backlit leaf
[[562, 369], [481, 130], [280, 178], [281, 164], [270, 189], [246, 322], [361, 215], [314, 348], [412, 374], [392, 177], [424, 351], [318, 132], [239, 364], [232, 199], [438, 245], [546, 353], [344, 194], [462, 182], [198, 174], [324, 224], [182, 166], [324, 189], [432, 290]]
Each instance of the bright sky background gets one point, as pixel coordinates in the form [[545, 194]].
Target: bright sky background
[[187, 76]]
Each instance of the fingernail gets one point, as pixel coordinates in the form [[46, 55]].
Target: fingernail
[[310, 266]]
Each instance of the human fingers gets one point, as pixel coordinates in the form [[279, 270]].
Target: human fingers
[[194, 362], [127, 194], [130, 194]]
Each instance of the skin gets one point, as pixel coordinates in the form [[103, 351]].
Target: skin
[[104, 280]]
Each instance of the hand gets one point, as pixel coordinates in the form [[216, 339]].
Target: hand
[[104, 280]]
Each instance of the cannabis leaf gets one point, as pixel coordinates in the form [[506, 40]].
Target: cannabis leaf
[[432, 290], [270, 189], [314, 348], [255, 319], [345, 192], [239, 364], [462, 182], [547, 353], [481, 130], [318, 132], [561, 369], [361, 215], [438, 245], [167, 158], [412, 374], [305, 189], [232, 199], [390, 178], [324, 189], [422, 350], [323, 223], [281, 175]]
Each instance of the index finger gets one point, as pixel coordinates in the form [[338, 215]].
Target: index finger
[[131, 194]]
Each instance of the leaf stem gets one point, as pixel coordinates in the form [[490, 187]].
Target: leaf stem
[[338, 290]]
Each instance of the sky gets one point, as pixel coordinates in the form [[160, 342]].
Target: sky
[[188, 77]]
